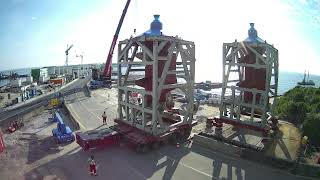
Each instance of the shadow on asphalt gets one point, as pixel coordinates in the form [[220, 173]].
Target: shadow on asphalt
[[241, 173], [115, 163], [123, 163], [39, 148]]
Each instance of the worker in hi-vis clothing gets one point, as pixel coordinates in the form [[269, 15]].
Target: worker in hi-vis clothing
[[92, 166], [104, 118]]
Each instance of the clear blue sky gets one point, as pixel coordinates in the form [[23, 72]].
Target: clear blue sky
[[36, 32]]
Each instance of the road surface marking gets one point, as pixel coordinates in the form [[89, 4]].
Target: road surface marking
[[95, 109], [87, 107], [185, 165], [125, 161]]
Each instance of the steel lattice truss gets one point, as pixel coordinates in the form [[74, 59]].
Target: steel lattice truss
[[135, 55], [240, 59]]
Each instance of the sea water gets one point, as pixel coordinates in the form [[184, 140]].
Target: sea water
[[287, 80]]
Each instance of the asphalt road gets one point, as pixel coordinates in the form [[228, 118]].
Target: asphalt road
[[88, 111], [169, 162], [189, 162]]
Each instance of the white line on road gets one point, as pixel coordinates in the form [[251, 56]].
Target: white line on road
[[185, 165], [87, 108]]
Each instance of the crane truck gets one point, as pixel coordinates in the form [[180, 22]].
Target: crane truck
[[105, 78]]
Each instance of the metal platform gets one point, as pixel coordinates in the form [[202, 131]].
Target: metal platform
[[97, 138]]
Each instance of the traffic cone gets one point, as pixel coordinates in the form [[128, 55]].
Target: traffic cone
[[178, 145]]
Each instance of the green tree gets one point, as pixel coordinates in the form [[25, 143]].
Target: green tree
[[296, 112], [315, 108], [294, 105], [311, 127]]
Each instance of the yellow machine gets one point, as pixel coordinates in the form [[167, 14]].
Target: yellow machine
[[54, 103]]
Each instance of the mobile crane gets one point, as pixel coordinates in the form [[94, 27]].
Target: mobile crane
[[108, 68]]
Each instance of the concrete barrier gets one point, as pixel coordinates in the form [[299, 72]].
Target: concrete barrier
[[31, 105], [217, 145], [87, 91], [302, 169], [308, 170], [72, 116]]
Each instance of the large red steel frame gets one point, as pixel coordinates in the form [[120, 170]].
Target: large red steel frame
[[146, 82], [252, 78]]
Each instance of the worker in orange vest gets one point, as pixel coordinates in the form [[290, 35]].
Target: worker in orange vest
[[104, 118], [92, 166]]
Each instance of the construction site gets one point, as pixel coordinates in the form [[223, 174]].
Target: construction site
[[152, 122]]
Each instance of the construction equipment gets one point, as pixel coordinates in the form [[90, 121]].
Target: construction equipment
[[62, 133], [108, 68], [254, 63], [67, 53], [97, 138], [95, 84], [54, 103], [81, 75], [151, 120], [163, 59], [14, 126]]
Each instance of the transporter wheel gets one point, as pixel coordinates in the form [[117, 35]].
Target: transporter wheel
[[187, 132], [155, 145], [184, 134], [73, 138], [173, 138], [138, 148], [164, 141], [144, 148]]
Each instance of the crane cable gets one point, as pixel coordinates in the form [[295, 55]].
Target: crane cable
[[134, 18]]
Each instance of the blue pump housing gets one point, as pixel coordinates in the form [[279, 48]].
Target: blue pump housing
[[253, 35], [155, 27]]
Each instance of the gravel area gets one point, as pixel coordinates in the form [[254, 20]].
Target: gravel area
[[29, 147], [201, 116]]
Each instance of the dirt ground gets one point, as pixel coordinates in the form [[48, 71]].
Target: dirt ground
[[201, 116], [286, 143], [30, 147]]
